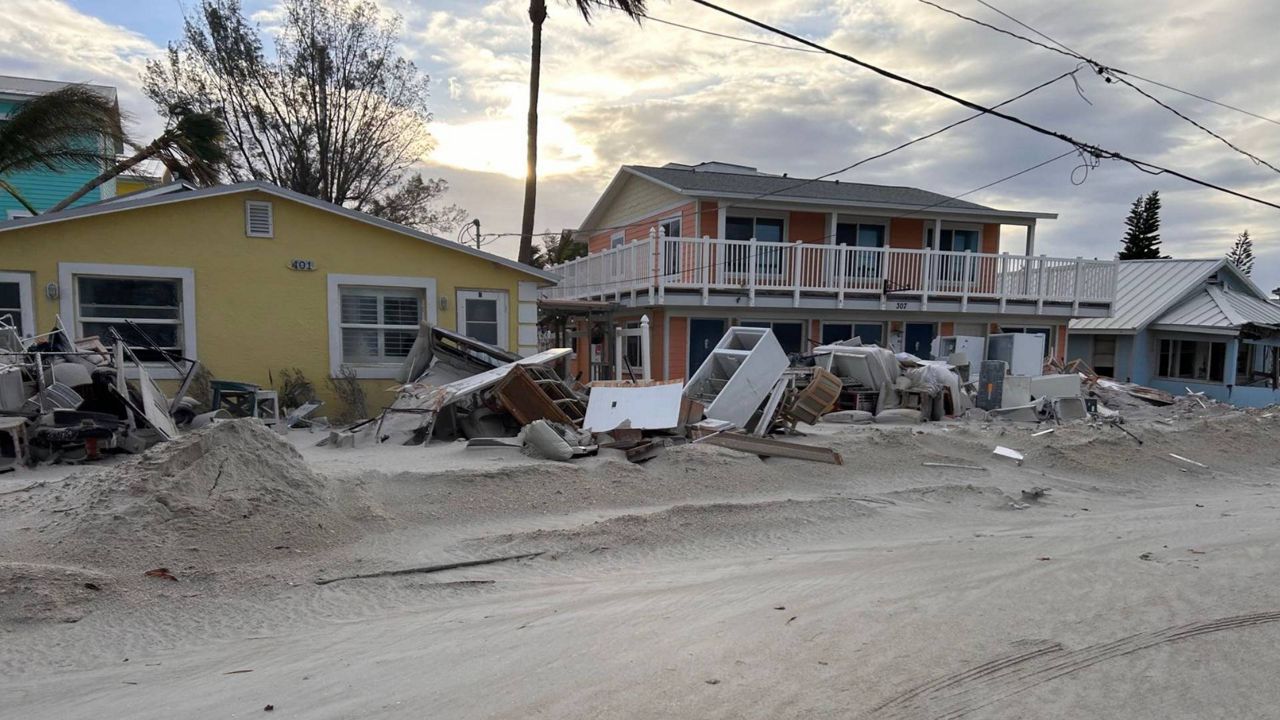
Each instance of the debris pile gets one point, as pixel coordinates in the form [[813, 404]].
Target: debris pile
[[231, 489], [70, 400]]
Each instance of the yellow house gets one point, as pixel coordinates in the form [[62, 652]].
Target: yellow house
[[250, 279]]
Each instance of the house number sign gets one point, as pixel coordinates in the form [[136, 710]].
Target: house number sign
[[303, 265]]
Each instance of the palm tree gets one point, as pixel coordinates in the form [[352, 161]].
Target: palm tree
[[538, 15], [65, 128], [191, 148]]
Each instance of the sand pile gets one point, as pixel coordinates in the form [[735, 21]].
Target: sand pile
[[232, 491], [41, 593]]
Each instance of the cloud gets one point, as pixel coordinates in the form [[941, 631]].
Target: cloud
[[48, 39], [614, 93]]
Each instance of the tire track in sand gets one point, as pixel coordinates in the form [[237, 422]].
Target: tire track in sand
[[956, 695]]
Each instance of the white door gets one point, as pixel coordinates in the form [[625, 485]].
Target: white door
[[482, 314]]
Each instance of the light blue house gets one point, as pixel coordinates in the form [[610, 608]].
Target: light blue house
[[1179, 325], [45, 188]]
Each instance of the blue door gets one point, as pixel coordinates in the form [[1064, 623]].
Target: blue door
[[704, 333], [918, 339]]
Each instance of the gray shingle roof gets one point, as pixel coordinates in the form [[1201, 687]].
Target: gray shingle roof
[[705, 182]]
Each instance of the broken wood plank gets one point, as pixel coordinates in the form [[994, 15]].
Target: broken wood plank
[[430, 568], [773, 448], [953, 465], [644, 451]]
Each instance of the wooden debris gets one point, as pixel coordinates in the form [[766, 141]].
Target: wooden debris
[[768, 447], [531, 392], [429, 568], [953, 465], [816, 399], [1187, 460]]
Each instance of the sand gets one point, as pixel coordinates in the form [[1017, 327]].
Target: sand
[[705, 583]]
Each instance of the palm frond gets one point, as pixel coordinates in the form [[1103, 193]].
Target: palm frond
[[71, 126], [634, 9]]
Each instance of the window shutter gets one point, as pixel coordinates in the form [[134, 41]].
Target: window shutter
[[258, 220]]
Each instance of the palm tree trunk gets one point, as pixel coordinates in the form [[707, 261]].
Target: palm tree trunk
[[5, 186], [538, 15], [113, 171]]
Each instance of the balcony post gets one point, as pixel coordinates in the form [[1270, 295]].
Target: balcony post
[[619, 346], [797, 261], [644, 348], [926, 276], [1040, 287], [705, 268], [966, 267], [841, 272], [660, 268], [886, 257], [1003, 279], [751, 272]]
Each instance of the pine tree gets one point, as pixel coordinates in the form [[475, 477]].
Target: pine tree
[[1142, 238], [1241, 254]]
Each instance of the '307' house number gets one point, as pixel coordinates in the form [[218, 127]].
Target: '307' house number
[[304, 265]]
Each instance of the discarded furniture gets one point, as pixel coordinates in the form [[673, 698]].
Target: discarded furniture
[[537, 393], [972, 347], [816, 399], [991, 377], [639, 407], [738, 374], [237, 398], [1024, 352], [14, 445]]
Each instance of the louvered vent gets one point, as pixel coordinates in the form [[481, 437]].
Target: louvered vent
[[258, 221]]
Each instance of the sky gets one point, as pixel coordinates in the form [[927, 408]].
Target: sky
[[615, 93]]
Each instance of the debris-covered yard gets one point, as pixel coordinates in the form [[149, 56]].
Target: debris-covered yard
[[541, 549]]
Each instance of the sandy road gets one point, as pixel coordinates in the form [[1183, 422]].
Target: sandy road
[[939, 605]]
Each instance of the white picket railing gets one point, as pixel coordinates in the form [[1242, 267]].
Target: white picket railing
[[657, 264]]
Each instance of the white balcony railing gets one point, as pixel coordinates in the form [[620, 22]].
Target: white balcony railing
[[654, 265]]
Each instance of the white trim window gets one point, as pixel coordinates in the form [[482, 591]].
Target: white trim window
[[482, 314], [378, 325], [16, 305], [158, 301], [1199, 360], [374, 320]]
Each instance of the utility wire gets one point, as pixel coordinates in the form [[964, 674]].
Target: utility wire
[[847, 168], [922, 138], [733, 37], [1091, 149], [1106, 72]]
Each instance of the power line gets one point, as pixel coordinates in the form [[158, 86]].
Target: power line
[[1108, 73], [733, 37], [1094, 150], [922, 138]]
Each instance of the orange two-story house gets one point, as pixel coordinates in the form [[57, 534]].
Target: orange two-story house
[[695, 249]]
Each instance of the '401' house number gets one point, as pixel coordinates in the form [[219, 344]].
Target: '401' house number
[[302, 264]]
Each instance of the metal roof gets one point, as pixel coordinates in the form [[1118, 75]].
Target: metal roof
[[745, 182], [149, 199], [1147, 288], [1221, 308]]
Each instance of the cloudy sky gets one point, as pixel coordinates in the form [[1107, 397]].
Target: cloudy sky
[[615, 93]]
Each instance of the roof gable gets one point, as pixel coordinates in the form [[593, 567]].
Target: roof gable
[[178, 194]]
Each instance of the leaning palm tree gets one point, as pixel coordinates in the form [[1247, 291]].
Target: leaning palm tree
[[538, 15], [191, 148], [69, 127]]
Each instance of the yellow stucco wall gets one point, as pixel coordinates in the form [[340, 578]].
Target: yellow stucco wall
[[255, 315]]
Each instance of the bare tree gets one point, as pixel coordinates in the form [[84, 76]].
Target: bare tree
[[334, 112]]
